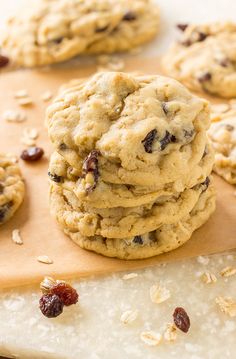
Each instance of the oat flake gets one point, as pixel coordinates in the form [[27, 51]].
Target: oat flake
[[151, 338], [25, 101], [228, 271], [13, 116], [46, 96], [21, 94], [227, 305], [16, 237], [171, 332], [159, 294], [44, 259], [129, 316], [208, 278], [129, 276]]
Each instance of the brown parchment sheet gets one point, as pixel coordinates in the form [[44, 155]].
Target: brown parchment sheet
[[40, 232]]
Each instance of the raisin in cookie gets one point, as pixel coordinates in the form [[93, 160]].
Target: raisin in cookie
[[222, 134], [110, 195], [122, 222], [12, 188], [56, 30], [138, 130], [166, 238], [204, 58]]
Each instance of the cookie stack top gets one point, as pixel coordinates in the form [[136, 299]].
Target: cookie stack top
[[131, 155]]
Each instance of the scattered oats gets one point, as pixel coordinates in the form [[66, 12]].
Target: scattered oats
[[129, 316], [129, 276], [29, 136], [44, 259], [151, 338], [13, 116], [228, 271], [159, 294], [16, 237], [47, 284], [203, 260], [220, 108], [208, 278], [227, 305], [21, 94], [232, 103], [25, 101], [46, 96], [171, 332]]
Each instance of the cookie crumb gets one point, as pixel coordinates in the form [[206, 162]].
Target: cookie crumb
[[228, 271], [208, 278], [129, 276], [16, 237], [227, 305], [129, 316], [159, 294], [151, 338], [44, 259]]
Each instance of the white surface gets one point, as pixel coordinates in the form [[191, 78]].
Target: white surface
[[92, 329]]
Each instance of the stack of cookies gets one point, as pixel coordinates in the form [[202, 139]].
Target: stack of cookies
[[130, 172]]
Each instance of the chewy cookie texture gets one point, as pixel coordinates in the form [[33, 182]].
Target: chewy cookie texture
[[12, 188], [222, 134], [204, 58], [130, 175], [57, 30]]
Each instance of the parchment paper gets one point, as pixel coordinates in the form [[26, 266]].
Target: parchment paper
[[40, 232]]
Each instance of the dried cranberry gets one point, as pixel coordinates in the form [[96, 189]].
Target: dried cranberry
[[205, 77], [168, 138], [229, 128], [148, 140], [138, 240], [54, 177], [66, 293], [51, 305], [181, 319], [58, 40], [101, 29], [182, 27], [91, 165], [129, 16], [202, 36], [4, 209], [3, 61], [205, 184], [164, 107], [1, 188], [32, 154], [62, 146]]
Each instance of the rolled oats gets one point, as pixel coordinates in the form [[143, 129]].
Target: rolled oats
[[227, 305], [44, 259], [228, 271], [159, 294], [16, 237], [129, 316], [151, 338], [170, 333], [208, 278]]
